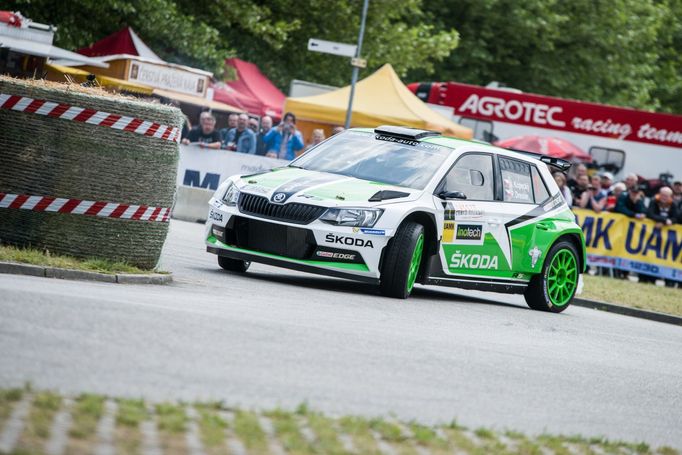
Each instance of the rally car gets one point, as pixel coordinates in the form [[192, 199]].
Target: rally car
[[397, 206]]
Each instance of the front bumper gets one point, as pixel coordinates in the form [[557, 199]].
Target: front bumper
[[316, 247]]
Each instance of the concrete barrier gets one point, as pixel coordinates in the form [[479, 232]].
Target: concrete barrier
[[191, 204]]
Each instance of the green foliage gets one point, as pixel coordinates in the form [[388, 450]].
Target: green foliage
[[623, 52], [173, 34]]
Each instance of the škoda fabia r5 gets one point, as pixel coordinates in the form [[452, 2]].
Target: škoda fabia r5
[[398, 206]]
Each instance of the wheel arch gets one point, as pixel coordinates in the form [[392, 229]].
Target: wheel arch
[[577, 241], [428, 220]]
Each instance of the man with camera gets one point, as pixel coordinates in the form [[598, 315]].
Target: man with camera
[[285, 140]]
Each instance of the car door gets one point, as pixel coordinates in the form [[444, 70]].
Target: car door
[[474, 242], [525, 203]]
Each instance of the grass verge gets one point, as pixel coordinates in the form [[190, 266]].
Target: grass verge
[[46, 259], [298, 432], [635, 295]]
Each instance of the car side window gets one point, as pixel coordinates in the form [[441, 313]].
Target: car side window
[[539, 188], [516, 181], [472, 174]]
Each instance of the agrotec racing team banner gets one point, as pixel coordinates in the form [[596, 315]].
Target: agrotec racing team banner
[[620, 242]]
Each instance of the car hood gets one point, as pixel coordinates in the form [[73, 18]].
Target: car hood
[[290, 184]]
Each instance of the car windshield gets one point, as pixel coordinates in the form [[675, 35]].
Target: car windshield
[[358, 154]]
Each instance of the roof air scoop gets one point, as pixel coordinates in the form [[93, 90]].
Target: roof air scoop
[[404, 132]]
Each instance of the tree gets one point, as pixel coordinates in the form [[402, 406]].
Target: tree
[[606, 52], [392, 35], [171, 33]]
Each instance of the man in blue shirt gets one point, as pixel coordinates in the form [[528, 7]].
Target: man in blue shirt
[[241, 139], [284, 141]]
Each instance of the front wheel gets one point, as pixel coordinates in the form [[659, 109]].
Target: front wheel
[[233, 265], [554, 288], [402, 261]]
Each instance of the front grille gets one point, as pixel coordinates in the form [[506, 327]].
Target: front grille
[[291, 213], [272, 238]]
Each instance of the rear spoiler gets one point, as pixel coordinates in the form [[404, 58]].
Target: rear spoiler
[[562, 165]]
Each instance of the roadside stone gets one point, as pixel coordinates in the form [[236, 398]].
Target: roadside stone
[[131, 278], [22, 269], [68, 274]]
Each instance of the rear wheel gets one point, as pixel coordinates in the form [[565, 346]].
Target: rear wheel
[[402, 261], [554, 288], [233, 265]]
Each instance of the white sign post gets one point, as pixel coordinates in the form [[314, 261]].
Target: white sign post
[[345, 50], [330, 47]]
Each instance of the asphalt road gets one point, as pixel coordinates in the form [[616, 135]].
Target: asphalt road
[[275, 337]]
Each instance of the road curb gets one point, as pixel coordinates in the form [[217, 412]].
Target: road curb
[[70, 274], [627, 311]]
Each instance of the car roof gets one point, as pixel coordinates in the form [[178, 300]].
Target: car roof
[[456, 144]]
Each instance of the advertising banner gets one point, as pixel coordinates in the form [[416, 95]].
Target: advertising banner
[[207, 168], [564, 115], [164, 77], [617, 241]]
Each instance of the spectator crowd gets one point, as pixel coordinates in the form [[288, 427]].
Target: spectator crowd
[[246, 134], [600, 193]]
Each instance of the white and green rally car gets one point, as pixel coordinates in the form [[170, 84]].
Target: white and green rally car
[[398, 206]]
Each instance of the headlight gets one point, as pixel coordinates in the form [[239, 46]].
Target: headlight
[[231, 195], [352, 217]]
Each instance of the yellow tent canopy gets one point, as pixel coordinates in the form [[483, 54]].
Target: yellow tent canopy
[[380, 99]]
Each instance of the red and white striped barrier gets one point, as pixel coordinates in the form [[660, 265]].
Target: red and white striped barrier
[[80, 207], [91, 116]]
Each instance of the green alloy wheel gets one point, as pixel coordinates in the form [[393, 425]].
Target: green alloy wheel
[[554, 288], [415, 262], [403, 260]]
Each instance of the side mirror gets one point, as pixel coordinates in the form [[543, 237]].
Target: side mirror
[[452, 195]]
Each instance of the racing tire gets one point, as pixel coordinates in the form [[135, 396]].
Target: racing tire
[[554, 288], [402, 261], [233, 265]]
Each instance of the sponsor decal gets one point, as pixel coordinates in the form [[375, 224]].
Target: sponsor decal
[[448, 231], [553, 202], [310, 196], [461, 260], [332, 255], [258, 189], [350, 241], [302, 184], [534, 254], [215, 216], [398, 140], [469, 232], [217, 203], [373, 231], [463, 211]]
